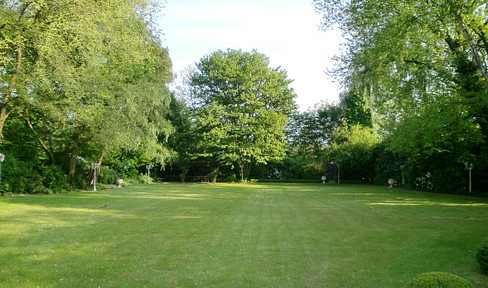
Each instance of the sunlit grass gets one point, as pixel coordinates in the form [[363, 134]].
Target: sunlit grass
[[236, 235]]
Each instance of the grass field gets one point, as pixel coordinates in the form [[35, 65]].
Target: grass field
[[236, 235]]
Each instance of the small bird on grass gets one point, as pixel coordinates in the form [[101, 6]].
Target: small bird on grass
[[103, 206], [371, 208]]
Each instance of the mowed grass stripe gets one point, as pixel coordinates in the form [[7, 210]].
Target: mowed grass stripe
[[236, 235]]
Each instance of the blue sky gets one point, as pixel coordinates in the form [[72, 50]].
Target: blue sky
[[284, 30]]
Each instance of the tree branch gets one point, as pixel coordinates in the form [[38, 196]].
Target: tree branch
[[41, 142]]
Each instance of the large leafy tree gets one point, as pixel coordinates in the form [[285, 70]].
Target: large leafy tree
[[88, 77], [407, 53], [422, 65], [243, 107]]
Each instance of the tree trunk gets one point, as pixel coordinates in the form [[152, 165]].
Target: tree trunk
[[471, 43], [247, 170], [3, 117]]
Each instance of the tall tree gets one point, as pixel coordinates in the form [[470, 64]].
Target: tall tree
[[88, 77], [311, 131], [407, 53], [423, 67], [352, 151], [243, 107]]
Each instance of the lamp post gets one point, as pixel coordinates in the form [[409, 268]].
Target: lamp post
[[469, 167], [148, 167], [2, 157], [94, 166]]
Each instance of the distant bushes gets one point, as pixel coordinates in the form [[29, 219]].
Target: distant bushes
[[317, 180]]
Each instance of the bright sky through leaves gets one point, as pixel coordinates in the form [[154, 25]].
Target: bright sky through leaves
[[284, 30]]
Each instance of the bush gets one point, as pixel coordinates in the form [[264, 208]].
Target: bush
[[438, 280], [136, 179], [313, 171], [286, 180], [54, 179], [107, 175], [21, 176], [482, 256]]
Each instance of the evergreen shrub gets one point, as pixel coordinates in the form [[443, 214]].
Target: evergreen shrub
[[438, 280]]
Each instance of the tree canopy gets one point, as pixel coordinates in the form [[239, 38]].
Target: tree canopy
[[243, 107], [421, 66], [87, 77]]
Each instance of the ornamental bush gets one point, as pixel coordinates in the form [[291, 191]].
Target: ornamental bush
[[438, 280], [482, 256]]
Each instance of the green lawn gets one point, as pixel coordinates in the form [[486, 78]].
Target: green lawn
[[236, 235]]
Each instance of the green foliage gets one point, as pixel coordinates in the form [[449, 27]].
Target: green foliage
[[27, 177], [242, 109], [482, 256], [54, 179], [294, 166], [386, 166], [107, 175], [184, 172], [310, 132], [422, 71], [313, 171], [288, 180], [88, 78], [20, 176], [138, 179], [356, 110], [352, 150], [438, 280], [444, 127]]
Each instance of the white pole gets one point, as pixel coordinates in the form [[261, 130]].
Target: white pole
[[148, 168]]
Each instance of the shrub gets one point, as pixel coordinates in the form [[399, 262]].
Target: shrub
[[184, 171], [136, 179], [21, 176], [313, 170], [482, 256], [54, 179], [438, 280], [107, 175]]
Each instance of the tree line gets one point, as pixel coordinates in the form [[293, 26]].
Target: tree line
[[87, 82], [422, 68]]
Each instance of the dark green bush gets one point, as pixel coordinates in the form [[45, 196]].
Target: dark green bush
[[482, 256], [21, 176], [107, 175], [438, 280], [54, 179]]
